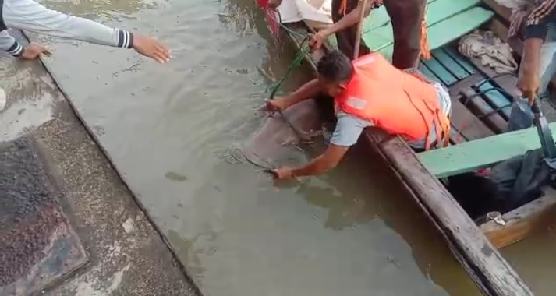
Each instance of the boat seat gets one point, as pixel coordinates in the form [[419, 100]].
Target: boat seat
[[447, 20], [481, 153]]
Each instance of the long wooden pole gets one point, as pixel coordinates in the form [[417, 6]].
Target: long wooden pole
[[359, 29]]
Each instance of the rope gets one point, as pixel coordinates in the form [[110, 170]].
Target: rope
[[300, 56], [296, 63]]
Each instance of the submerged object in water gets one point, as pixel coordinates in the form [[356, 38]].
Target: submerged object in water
[[277, 139]]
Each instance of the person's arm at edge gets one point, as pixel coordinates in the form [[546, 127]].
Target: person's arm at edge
[[347, 21], [307, 91], [347, 131], [321, 164], [534, 34], [529, 79], [32, 16]]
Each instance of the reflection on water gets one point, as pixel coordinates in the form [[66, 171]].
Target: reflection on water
[[350, 232], [94, 9]]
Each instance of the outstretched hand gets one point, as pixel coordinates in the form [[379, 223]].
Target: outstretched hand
[[34, 51], [151, 48]]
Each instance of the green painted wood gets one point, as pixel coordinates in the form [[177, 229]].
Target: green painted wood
[[454, 27], [481, 153], [496, 98], [437, 11], [425, 71], [450, 64], [461, 60], [379, 17], [440, 71], [451, 29]]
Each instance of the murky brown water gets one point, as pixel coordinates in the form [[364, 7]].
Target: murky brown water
[[169, 128]]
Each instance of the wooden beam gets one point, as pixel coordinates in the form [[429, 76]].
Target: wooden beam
[[466, 123], [521, 221], [485, 112], [450, 29], [473, 155], [486, 266]]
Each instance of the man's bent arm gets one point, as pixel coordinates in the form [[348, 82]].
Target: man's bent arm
[[529, 70], [307, 91], [349, 19], [323, 163]]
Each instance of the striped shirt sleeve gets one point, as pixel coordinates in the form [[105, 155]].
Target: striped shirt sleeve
[[536, 24], [10, 44], [31, 16]]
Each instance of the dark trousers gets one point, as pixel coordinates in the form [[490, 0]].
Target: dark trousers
[[406, 17]]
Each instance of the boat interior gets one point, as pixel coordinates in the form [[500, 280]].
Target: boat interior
[[482, 101]]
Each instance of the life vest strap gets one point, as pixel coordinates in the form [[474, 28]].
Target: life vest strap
[[424, 42], [440, 121]]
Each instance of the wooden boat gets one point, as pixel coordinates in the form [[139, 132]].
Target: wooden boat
[[473, 244]]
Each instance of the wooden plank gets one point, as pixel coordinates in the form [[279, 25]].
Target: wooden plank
[[456, 137], [467, 123], [485, 265], [461, 60], [484, 111], [379, 17], [437, 11], [481, 153], [440, 71], [521, 221], [425, 71], [496, 99], [450, 29], [450, 64]]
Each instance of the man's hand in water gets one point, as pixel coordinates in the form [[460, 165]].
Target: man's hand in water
[[283, 173], [151, 48], [34, 51], [277, 105]]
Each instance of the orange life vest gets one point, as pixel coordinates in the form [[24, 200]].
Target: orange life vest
[[395, 101]]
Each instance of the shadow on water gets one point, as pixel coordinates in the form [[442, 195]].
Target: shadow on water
[[362, 190]]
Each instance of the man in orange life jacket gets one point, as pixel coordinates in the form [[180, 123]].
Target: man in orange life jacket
[[370, 92]]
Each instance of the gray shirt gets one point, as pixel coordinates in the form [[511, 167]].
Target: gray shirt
[[32, 16]]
